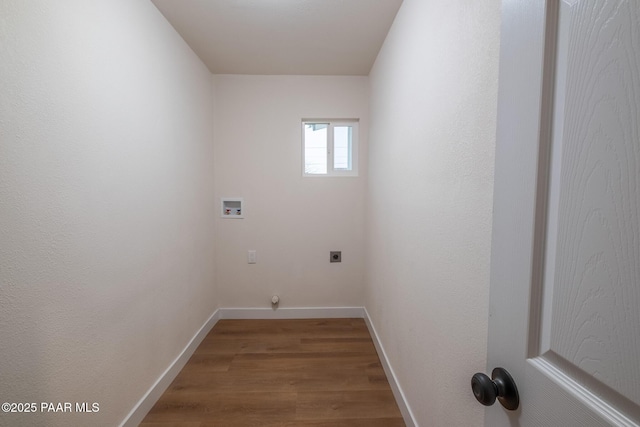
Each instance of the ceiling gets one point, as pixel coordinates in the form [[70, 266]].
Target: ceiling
[[306, 37]]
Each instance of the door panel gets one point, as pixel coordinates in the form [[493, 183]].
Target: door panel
[[595, 322], [565, 281]]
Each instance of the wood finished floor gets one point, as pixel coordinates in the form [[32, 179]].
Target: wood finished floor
[[285, 373]]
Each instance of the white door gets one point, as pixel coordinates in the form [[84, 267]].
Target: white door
[[565, 269]]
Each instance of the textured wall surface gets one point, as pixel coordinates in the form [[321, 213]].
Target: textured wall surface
[[429, 202], [292, 221], [106, 204]]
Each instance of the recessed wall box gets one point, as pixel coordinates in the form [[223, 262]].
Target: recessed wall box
[[232, 208]]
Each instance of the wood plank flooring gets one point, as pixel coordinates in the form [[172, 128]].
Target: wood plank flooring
[[285, 373]]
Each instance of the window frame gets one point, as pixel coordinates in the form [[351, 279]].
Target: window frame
[[332, 123]]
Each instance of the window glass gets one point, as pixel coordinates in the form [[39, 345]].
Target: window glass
[[342, 137], [315, 148]]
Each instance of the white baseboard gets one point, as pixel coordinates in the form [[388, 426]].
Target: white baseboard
[[145, 404], [405, 410], [292, 313]]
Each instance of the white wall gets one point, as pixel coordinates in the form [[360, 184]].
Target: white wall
[[106, 204], [292, 222], [429, 202]]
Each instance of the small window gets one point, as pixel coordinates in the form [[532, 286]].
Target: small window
[[330, 147]]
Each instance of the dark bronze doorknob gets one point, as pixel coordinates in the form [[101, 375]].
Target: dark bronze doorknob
[[500, 386]]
